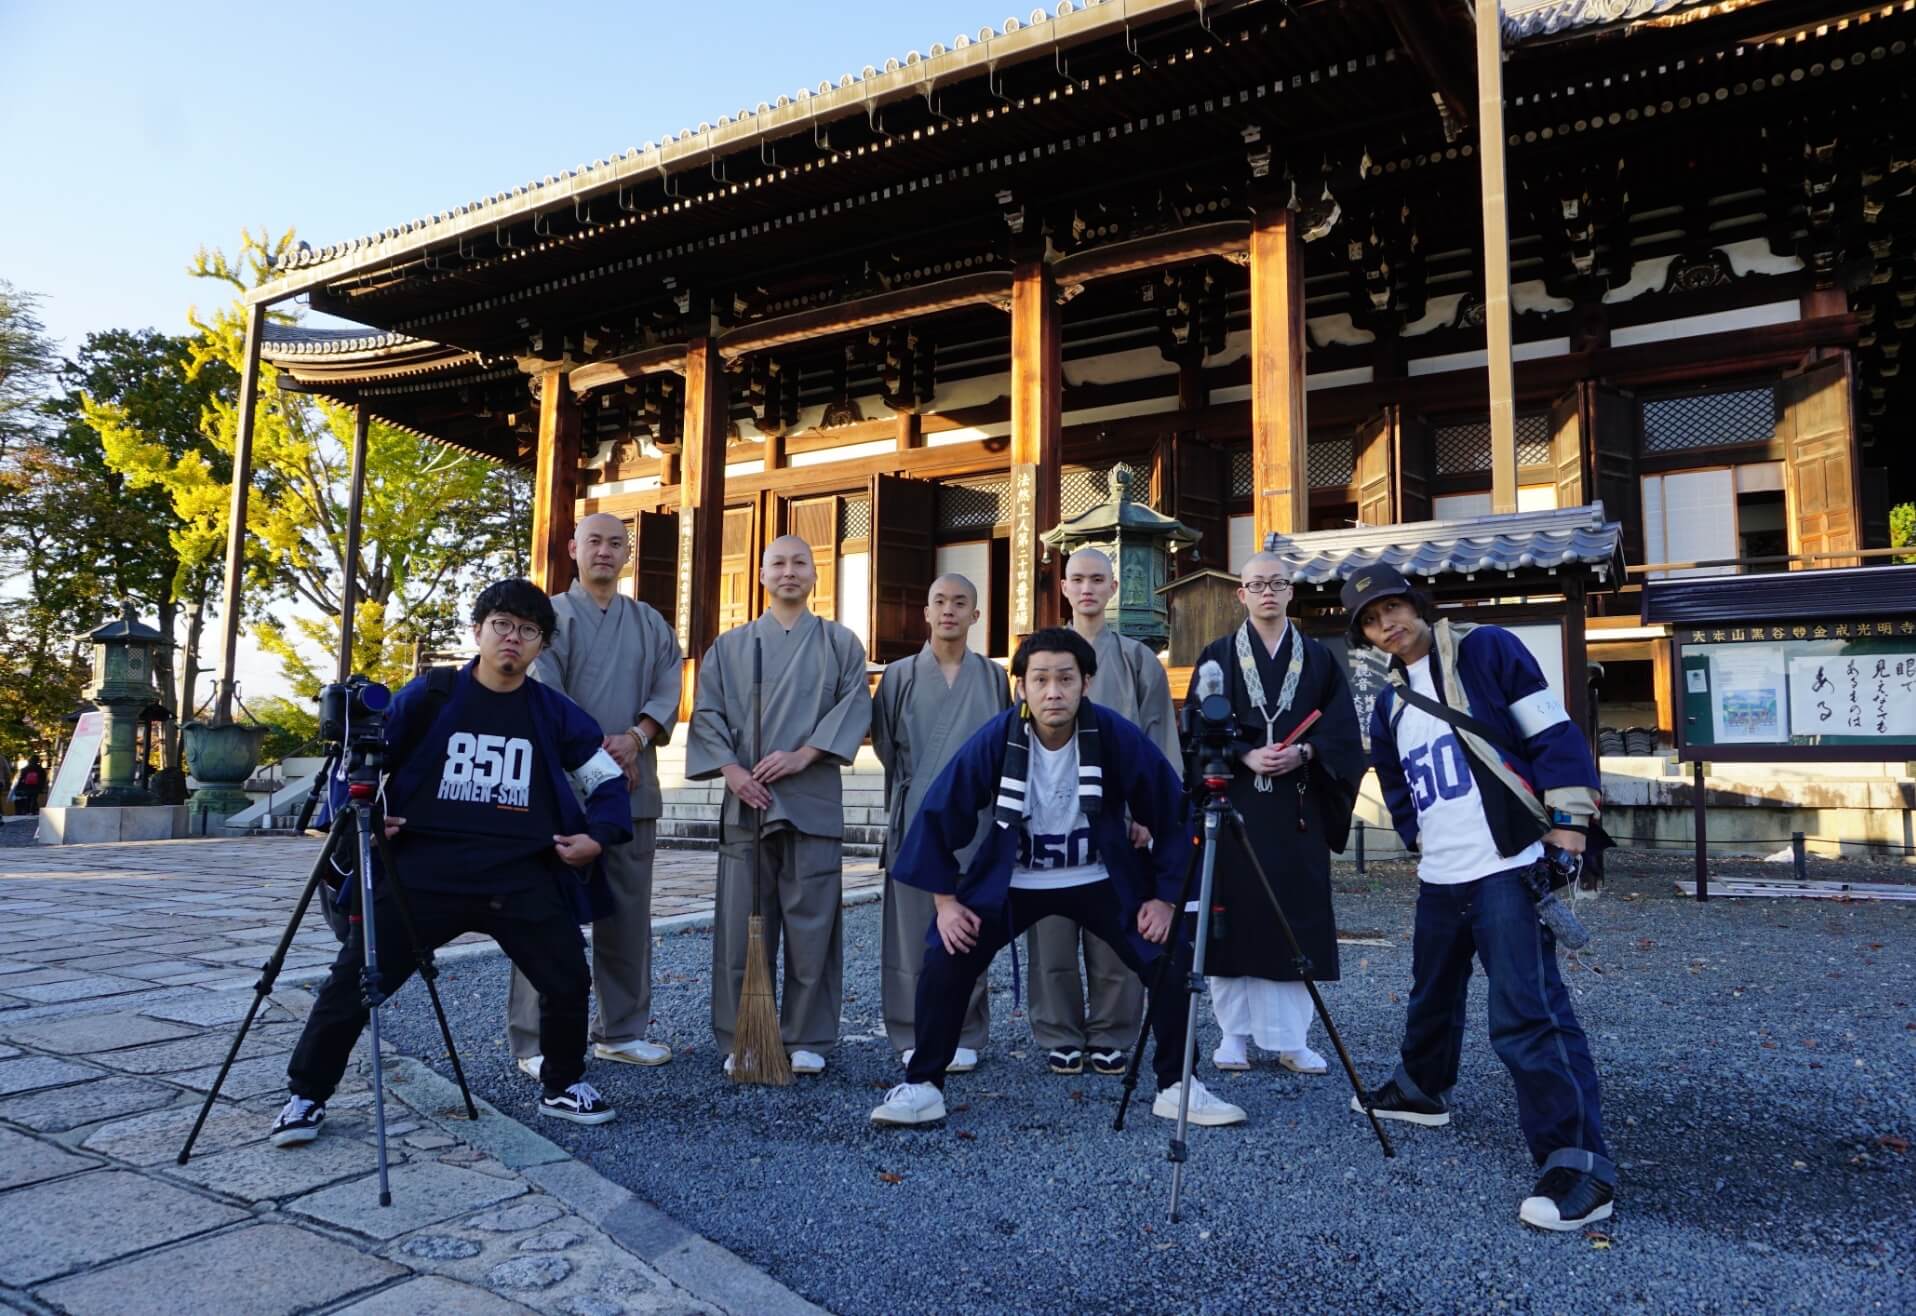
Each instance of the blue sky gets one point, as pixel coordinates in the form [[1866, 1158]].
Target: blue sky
[[130, 134]]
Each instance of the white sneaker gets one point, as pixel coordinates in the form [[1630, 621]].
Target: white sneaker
[[807, 1062], [963, 1061], [531, 1067], [1233, 1052], [1205, 1108], [1304, 1061], [911, 1103], [640, 1052]]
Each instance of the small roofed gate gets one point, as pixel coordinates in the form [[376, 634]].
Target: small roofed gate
[[1820, 467]]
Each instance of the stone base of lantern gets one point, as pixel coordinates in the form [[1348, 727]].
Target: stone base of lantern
[[97, 824]]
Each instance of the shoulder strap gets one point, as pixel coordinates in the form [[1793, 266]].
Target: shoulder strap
[[438, 690], [1444, 712]]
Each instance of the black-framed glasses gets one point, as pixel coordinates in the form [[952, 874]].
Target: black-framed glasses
[[1265, 586], [505, 628]]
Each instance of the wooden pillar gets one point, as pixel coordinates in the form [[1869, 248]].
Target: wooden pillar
[[236, 513], [911, 431], [1280, 480], [555, 482], [701, 498], [1490, 160], [1037, 397], [355, 508]]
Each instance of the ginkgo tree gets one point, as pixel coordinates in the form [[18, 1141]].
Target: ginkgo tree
[[435, 520]]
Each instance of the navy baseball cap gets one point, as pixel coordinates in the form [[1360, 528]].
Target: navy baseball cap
[[1369, 585]]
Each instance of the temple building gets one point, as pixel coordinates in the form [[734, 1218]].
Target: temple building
[[916, 314]]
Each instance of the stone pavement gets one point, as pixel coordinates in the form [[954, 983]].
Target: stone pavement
[[124, 970]]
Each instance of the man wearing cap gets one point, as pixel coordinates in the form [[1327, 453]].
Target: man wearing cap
[[1465, 735]]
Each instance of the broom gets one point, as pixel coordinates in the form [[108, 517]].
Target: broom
[[758, 1051]]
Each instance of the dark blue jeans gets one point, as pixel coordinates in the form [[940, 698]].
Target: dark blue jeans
[[1533, 1028]]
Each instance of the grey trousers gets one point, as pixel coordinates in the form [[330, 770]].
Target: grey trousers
[[1062, 1018], [621, 954], [908, 916], [803, 884]]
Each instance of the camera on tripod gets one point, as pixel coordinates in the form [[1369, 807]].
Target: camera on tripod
[[353, 712], [1209, 730]]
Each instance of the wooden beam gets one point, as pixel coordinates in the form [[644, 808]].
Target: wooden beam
[[992, 288], [911, 433], [355, 508], [1153, 251], [1037, 376], [555, 484], [236, 512], [1280, 483], [701, 498], [1490, 155], [669, 359]]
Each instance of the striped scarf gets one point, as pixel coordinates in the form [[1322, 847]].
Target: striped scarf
[[1013, 802]]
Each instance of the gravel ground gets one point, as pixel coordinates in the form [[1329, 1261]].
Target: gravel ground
[[1756, 1057]]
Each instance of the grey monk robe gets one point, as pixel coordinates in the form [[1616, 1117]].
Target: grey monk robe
[[619, 665], [918, 723], [1100, 1010], [815, 694]]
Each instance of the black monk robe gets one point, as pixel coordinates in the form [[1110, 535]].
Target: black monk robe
[[1297, 860]]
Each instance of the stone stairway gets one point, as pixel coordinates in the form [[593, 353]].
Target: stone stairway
[[691, 820]]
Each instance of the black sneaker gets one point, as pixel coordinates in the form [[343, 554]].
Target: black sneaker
[[298, 1122], [1390, 1103], [580, 1103], [1066, 1060], [1113, 1061], [1566, 1199]]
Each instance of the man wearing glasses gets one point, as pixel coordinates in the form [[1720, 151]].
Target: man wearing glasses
[[1296, 803], [488, 836]]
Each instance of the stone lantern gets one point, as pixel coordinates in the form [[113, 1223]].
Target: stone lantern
[[1139, 541], [123, 653]]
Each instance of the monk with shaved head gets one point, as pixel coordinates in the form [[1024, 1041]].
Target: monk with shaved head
[[926, 708], [1097, 1010], [618, 659], [816, 710]]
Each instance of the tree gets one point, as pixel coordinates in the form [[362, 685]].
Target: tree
[[27, 362], [1902, 528], [434, 518]]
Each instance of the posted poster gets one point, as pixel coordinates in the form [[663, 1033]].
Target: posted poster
[[1748, 695], [83, 751], [1872, 694]]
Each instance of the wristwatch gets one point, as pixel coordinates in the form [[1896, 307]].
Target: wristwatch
[[645, 741]]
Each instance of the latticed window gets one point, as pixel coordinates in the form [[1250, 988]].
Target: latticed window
[[1464, 448], [1081, 488], [1332, 462], [974, 504], [1709, 420], [1241, 473], [855, 518]]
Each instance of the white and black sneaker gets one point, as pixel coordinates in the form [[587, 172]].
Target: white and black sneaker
[[1391, 1102], [580, 1103], [1566, 1199], [298, 1122]]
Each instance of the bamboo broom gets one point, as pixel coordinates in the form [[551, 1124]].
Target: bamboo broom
[[758, 1051]]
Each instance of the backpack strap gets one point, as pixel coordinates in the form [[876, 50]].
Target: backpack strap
[[438, 691]]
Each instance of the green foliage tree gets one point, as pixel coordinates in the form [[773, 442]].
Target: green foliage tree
[[1902, 528]]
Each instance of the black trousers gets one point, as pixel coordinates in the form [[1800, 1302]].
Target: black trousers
[[944, 986], [535, 929]]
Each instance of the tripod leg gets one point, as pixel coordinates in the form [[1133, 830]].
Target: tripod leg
[[1330, 1027], [422, 956], [312, 796], [1159, 972], [268, 975], [369, 978]]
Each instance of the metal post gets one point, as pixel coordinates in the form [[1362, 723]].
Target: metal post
[[1799, 857], [1360, 845], [349, 593], [1702, 840], [236, 517], [1490, 159]]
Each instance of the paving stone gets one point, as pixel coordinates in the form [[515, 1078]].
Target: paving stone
[[8, 1052], [434, 1295], [15, 981], [591, 1304], [208, 1008], [430, 1141], [25, 1159], [77, 989], [248, 1078], [261, 1172], [96, 1032], [440, 1247], [26, 1074], [264, 1270], [530, 1273], [56, 1110], [423, 1194], [11, 1002], [197, 1050], [511, 1219], [155, 1138], [553, 1240], [54, 1228]]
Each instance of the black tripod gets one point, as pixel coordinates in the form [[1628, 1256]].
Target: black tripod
[[1217, 809], [361, 824]]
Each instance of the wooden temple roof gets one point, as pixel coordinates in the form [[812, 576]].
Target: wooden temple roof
[[1661, 152]]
